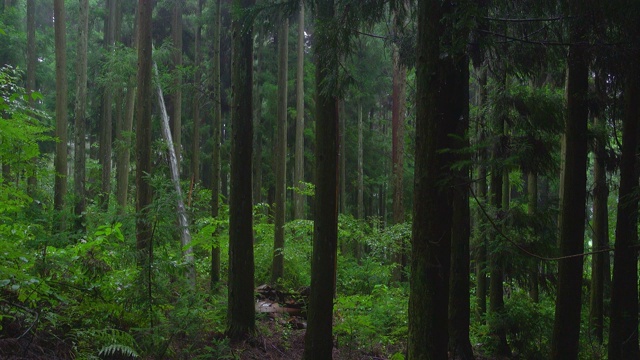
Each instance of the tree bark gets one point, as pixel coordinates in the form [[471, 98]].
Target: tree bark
[[566, 329], [241, 312], [144, 242], [215, 154], [106, 128], [32, 60], [80, 115], [459, 301], [195, 157], [623, 331], [281, 152], [60, 185], [298, 174], [481, 193], [442, 85], [360, 208], [532, 209], [319, 337], [600, 233], [176, 116], [342, 155]]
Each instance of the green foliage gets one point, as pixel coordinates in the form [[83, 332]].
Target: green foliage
[[374, 321], [94, 343]]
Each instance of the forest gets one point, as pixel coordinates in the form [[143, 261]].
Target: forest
[[319, 179]]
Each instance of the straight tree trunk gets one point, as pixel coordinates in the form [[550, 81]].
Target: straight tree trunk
[[623, 331], [215, 154], [499, 199], [144, 227], [566, 329], [80, 115], [31, 78], [319, 337], [481, 193], [60, 185], [298, 174], [532, 209], [600, 234], [106, 129], [442, 86], [195, 160], [257, 124], [281, 152], [241, 312], [459, 300], [397, 125], [342, 119], [360, 208], [176, 116], [124, 153]]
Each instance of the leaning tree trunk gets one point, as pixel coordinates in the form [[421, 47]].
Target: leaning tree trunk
[[319, 337], [298, 174], [241, 312], [566, 329], [80, 116], [183, 221], [60, 185], [281, 153]]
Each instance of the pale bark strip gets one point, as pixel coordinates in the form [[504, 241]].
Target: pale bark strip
[[185, 234]]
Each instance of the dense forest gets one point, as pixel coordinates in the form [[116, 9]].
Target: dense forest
[[319, 179]]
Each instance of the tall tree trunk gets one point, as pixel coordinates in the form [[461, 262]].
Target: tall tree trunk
[[442, 86], [397, 149], [481, 193], [31, 79], [215, 154], [360, 208], [623, 331], [144, 227], [459, 301], [319, 337], [342, 155], [281, 152], [397, 125], [566, 329], [60, 186], [600, 233], [195, 160], [532, 209], [106, 129], [257, 123], [176, 116], [499, 199], [80, 115], [241, 312], [298, 174]]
